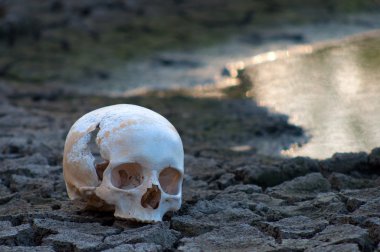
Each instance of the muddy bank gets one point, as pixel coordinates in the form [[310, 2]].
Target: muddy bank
[[234, 197]]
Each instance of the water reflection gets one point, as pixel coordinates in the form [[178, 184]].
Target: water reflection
[[333, 91]]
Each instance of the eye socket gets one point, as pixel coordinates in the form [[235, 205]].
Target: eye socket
[[169, 180], [127, 176]]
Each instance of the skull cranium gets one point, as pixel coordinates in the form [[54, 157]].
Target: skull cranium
[[142, 170]]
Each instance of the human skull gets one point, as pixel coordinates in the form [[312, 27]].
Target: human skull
[[141, 172]]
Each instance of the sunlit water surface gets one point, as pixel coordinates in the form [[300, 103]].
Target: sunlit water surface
[[331, 90]]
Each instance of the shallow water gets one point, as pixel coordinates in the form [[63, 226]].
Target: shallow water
[[332, 90], [207, 66]]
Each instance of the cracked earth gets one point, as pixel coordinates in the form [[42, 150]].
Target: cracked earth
[[234, 200]]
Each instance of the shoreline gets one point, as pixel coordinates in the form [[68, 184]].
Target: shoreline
[[212, 66]]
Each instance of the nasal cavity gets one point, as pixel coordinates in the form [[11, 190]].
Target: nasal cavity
[[151, 198]]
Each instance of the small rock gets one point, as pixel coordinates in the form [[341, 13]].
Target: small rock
[[345, 162], [226, 209], [14, 145], [194, 190], [14, 164], [5, 225], [226, 72], [177, 61], [297, 244], [139, 247], [13, 204], [4, 190], [341, 181], [20, 183], [224, 181], [301, 188], [26, 249], [348, 247], [251, 171], [363, 195], [294, 227], [42, 170], [374, 160], [353, 203], [371, 208], [373, 225], [159, 234], [201, 168], [70, 240], [50, 225], [240, 237], [191, 226], [324, 205], [344, 233], [244, 188], [363, 202], [16, 236]]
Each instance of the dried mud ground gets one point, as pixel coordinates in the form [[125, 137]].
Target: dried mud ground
[[234, 199]]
